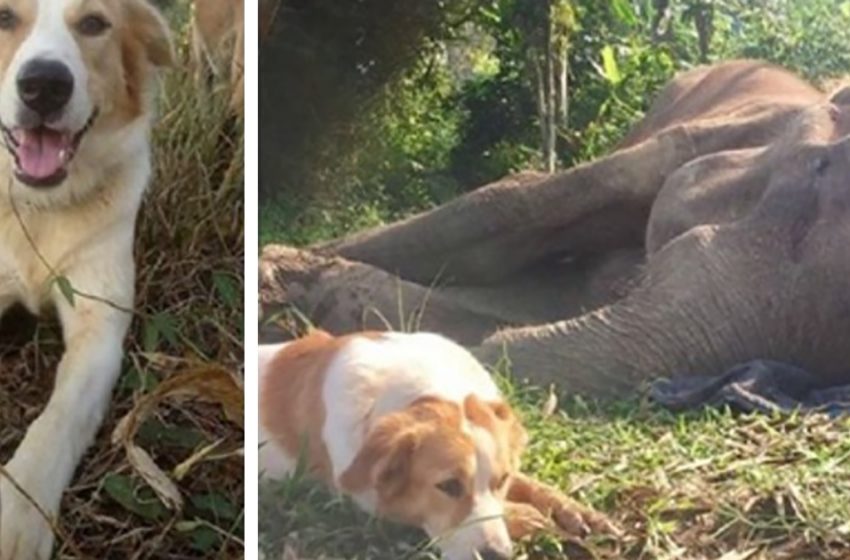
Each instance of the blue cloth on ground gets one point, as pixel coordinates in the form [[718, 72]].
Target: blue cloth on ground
[[757, 386]]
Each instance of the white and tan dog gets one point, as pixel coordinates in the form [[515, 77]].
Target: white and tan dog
[[414, 429], [75, 111]]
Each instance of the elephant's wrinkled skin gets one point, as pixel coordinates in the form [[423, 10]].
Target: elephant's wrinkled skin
[[718, 232]]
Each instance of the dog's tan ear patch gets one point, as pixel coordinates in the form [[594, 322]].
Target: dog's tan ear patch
[[384, 461], [145, 45], [149, 29], [487, 414], [500, 419]]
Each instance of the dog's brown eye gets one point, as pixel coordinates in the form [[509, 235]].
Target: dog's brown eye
[[93, 25], [451, 487], [8, 19], [500, 484]]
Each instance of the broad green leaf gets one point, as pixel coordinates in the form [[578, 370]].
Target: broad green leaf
[[155, 432], [609, 65], [226, 288], [167, 325], [135, 380], [66, 289], [121, 488], [624, 12], [161, 325], [150, 336], [217, 505], [204, 538]]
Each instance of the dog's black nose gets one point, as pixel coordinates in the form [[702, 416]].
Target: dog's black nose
[[491, 554], [45, 86]]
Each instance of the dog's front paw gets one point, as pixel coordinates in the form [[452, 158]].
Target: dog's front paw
[[24, 532], [580, 521]]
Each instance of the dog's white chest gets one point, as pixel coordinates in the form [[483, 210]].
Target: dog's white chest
[[23, 276], [35, 249]]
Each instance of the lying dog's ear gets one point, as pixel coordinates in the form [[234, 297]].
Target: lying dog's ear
[[383, 462], [499, 418], [151, 31]]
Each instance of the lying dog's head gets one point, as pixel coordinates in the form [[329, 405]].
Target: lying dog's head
[[444, 467], [72, 70]]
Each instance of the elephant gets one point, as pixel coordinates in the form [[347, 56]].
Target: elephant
[[717, 232]]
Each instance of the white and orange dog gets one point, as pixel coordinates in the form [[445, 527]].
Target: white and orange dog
[[76, 98], [414, 429]]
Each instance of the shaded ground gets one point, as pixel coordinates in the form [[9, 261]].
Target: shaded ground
[[701, 485], [189, 316]]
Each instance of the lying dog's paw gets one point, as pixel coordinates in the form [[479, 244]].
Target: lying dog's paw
[[24, 533], [525, 521], [577, 520]]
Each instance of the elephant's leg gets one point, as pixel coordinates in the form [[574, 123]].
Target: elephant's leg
[[498, 230], [712, 298], [343, 296], [558, 290], [680, 320]]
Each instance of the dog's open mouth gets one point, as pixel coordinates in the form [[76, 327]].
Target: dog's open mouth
[[42, 154]]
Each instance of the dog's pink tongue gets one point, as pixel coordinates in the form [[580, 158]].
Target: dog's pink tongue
[[40, 152]]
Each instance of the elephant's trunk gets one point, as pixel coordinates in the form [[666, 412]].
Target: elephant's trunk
[[612, 351]]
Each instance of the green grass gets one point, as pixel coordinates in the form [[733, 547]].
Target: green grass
[[697, 485]]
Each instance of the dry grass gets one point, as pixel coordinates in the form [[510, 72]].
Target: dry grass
[[189, 314]]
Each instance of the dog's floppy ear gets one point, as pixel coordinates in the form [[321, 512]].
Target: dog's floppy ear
[[498, 417], [384, 461], [151, 31]]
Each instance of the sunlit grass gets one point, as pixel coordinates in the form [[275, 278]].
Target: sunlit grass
[[697, 485]]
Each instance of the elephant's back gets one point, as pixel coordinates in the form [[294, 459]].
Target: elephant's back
[[718, 91]]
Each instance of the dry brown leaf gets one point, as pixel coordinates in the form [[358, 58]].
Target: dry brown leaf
[[209, 384], [155, 477], [551, 404], [739, 555], [184, 467]]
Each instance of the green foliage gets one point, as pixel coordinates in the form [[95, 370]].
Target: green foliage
[[328, 64], [497, 134], [461, 109], [396, 168], [809, 37]]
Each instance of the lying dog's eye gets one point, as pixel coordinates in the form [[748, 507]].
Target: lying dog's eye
[[500, 484], [8, 19], [451, 487], [93, 25]]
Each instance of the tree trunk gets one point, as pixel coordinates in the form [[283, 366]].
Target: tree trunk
[[563, 100], [704, 23], [542, 106], [550, 155]]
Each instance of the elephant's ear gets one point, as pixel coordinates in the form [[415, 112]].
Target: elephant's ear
[[384, 461], [841, 96]]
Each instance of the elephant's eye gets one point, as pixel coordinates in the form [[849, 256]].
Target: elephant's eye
[[92, 25], [452, 488], [8, 19]]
